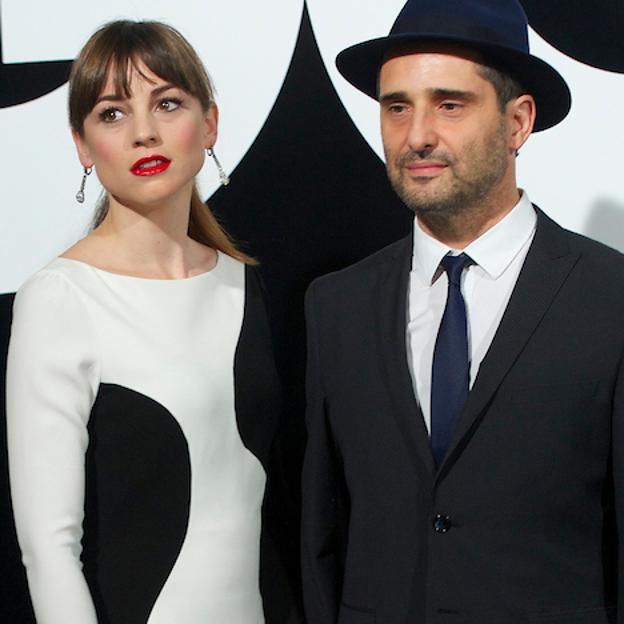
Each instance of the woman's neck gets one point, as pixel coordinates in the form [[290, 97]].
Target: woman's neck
[[148, 242]]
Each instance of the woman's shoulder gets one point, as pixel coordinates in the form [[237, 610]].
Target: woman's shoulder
[[53, 290], [58, 275]]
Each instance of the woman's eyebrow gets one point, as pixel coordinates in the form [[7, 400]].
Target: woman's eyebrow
[[112, 97], [162, 89]]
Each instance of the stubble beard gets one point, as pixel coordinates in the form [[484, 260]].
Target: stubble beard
[[466, 194]]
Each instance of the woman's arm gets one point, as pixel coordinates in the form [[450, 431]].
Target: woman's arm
[[52, 380]]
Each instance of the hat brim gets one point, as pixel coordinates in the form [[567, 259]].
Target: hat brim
[[360, 64]]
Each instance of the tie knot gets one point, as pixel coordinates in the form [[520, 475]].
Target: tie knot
[[454, 265]]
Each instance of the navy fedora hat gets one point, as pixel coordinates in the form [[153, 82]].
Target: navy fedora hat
[[497, 29]]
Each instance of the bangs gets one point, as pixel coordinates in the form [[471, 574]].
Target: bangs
[[120, 48], [123, 62]]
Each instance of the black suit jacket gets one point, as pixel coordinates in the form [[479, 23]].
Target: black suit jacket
[[534, 471]]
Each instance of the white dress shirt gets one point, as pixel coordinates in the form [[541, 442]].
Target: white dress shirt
[[498, 256]]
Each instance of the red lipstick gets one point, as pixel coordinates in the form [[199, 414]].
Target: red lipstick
[[149, 166]]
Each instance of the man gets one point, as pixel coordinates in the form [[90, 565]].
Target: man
[[464, 459]]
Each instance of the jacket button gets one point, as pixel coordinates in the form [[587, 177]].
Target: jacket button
[[442, 524]]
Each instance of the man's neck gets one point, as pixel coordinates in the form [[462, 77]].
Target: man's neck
[[458, 230]]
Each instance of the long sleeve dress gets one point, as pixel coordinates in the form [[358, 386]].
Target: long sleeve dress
[[140, 415]]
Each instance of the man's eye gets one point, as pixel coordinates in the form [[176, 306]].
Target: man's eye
[[169, 104], [397, 108], [110, 115], [451, 106]]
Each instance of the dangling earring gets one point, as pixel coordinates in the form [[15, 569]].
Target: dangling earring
[[80, 196], [225, 179]]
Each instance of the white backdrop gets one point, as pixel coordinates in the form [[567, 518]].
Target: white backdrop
[[572, 171]]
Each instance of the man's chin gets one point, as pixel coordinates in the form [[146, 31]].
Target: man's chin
[[440, 211], [424, 204]]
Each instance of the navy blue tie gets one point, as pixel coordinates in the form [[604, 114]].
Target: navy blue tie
[[450, 373]]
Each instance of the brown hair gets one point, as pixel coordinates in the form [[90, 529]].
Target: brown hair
[[507, 88], [118, 46]]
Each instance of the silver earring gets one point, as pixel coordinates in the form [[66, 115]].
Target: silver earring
[[225, 179], [80, 196]]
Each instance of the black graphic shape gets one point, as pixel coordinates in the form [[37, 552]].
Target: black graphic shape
[[309, 197], [23, 82], [590, 32], [14, 600]]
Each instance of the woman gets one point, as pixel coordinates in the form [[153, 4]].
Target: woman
[[141, 389]]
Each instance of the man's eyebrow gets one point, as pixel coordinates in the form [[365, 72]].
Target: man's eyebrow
[[438, 94], [454, 94], [393, 96]]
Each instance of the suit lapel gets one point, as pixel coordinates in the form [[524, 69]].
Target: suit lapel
[[392, 292], [545, 269]]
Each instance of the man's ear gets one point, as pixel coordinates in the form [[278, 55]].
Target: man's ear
[[211, 122], [521, 114], [81, 148]]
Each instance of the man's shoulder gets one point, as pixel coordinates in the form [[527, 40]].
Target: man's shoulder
[[358, 276], [594, 249], [590, 251]]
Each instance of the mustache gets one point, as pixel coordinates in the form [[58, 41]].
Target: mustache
[[412, 157]]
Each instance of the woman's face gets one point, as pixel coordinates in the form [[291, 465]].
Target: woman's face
[[147, 148]]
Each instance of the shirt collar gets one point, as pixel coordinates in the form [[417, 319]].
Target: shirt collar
[[493, 251]]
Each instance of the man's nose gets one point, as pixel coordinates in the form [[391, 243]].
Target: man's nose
[[422, 135]]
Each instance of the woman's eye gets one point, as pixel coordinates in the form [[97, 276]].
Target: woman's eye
[[110, 115], [169, 104]]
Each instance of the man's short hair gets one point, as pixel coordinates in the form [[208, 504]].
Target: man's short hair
[[506, 86]]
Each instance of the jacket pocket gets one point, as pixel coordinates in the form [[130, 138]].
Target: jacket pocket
[[350, 614], [594, 615]]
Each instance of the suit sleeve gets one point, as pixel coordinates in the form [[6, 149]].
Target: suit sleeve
[[324, 496], [52, 380], [618, 479]]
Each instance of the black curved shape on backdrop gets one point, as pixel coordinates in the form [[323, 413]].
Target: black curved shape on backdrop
[[590, 32], [23, 82]]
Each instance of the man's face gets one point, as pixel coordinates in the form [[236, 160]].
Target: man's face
[[445, 139]]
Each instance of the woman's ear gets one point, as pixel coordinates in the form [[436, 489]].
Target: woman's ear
[[211, 121], [81, 148]]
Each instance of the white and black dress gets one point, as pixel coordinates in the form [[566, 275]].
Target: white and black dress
[[140, 417]]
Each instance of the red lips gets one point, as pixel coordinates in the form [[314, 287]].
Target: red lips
[[149, 166]]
